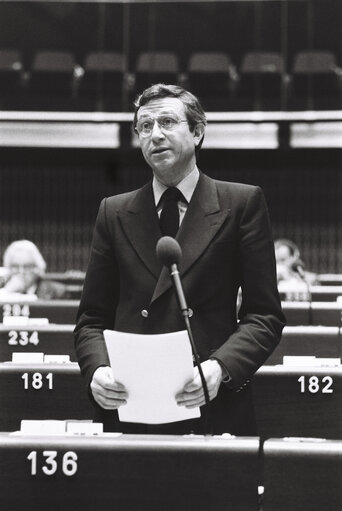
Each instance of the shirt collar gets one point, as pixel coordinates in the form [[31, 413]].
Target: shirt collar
[[186, 186]]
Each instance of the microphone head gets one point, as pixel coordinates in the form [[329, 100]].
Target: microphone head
[[168, 251], [298, 265]]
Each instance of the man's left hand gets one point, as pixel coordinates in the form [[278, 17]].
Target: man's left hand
[[193, 394]]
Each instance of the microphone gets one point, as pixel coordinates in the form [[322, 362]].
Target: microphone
[[298, 266], [169, 253]]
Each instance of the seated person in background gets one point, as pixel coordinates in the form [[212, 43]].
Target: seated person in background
[[25, 268], [291, 275]]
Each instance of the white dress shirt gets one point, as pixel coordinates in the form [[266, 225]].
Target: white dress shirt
[[186, 186]]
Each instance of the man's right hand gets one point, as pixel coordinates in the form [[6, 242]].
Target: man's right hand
[[107, 392], [16, 284]]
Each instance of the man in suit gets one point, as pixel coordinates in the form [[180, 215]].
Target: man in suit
[[290, 267], [25, 269], [225, 236]]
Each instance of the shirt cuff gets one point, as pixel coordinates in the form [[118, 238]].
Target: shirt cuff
[[226, 376]]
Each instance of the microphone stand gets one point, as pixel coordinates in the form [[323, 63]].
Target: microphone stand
[[174, 273], [300, 270], [310, 298]]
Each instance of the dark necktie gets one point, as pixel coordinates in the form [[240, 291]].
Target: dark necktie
[[169, 217]]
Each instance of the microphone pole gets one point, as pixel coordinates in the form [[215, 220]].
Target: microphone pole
[[170, 253], [298, 266]]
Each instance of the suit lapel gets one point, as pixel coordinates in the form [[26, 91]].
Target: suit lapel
[[141, 225], [202, 221]]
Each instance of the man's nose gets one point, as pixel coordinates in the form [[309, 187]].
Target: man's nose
[[157, 133]]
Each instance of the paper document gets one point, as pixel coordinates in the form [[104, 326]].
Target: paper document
[[153, 368]]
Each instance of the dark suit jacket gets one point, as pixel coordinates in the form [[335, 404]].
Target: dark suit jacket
[[226, 243]]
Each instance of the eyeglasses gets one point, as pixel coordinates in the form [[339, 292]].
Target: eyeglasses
[[166, 123], [25, 267]]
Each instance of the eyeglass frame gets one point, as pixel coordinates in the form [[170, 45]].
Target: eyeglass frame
[[19, 267], [163, 129]]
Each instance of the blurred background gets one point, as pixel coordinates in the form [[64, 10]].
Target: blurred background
[[269, 74]]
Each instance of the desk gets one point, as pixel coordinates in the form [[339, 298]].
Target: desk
[[128, 473], [48, 339], [302, 476], [41, 391], [319, 341], [325, 293], [288, 401], [294, 401], [318, 294], [327, 313], [330, 279], [69, 277], [57, 311], [321, 313], [296, 313]]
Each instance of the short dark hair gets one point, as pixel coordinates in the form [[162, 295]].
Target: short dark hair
[[193, 109], [293, 248]]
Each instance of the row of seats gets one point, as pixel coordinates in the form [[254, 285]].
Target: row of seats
[[315, 293], [67, 472], [64, 311], [261, 81], [289, 400], [78, 276], [57, 339]]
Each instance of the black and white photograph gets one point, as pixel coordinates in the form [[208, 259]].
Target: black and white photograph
[[171, 255]]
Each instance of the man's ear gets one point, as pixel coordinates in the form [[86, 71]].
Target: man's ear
[[198, 133]]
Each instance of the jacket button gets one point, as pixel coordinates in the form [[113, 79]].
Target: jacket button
[[144, 313]]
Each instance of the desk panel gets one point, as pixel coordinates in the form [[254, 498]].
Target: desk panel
[[69, 277], [318, 294], [319, 341], [302, 475], [50, 339], [299, 401], [57, 311], [325, 293], [128, 473], [316, 313], [327, 313], [330, 279], [41, 391], [296, 313], [289, 401]]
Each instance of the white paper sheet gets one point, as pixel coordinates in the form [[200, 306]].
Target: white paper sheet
[[153, 368]]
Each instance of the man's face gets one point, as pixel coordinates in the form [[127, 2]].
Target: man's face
[[283, 256], [23, 268], [170, 153]]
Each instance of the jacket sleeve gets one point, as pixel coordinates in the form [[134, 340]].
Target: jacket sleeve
[[98, 302], [260, 316]]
